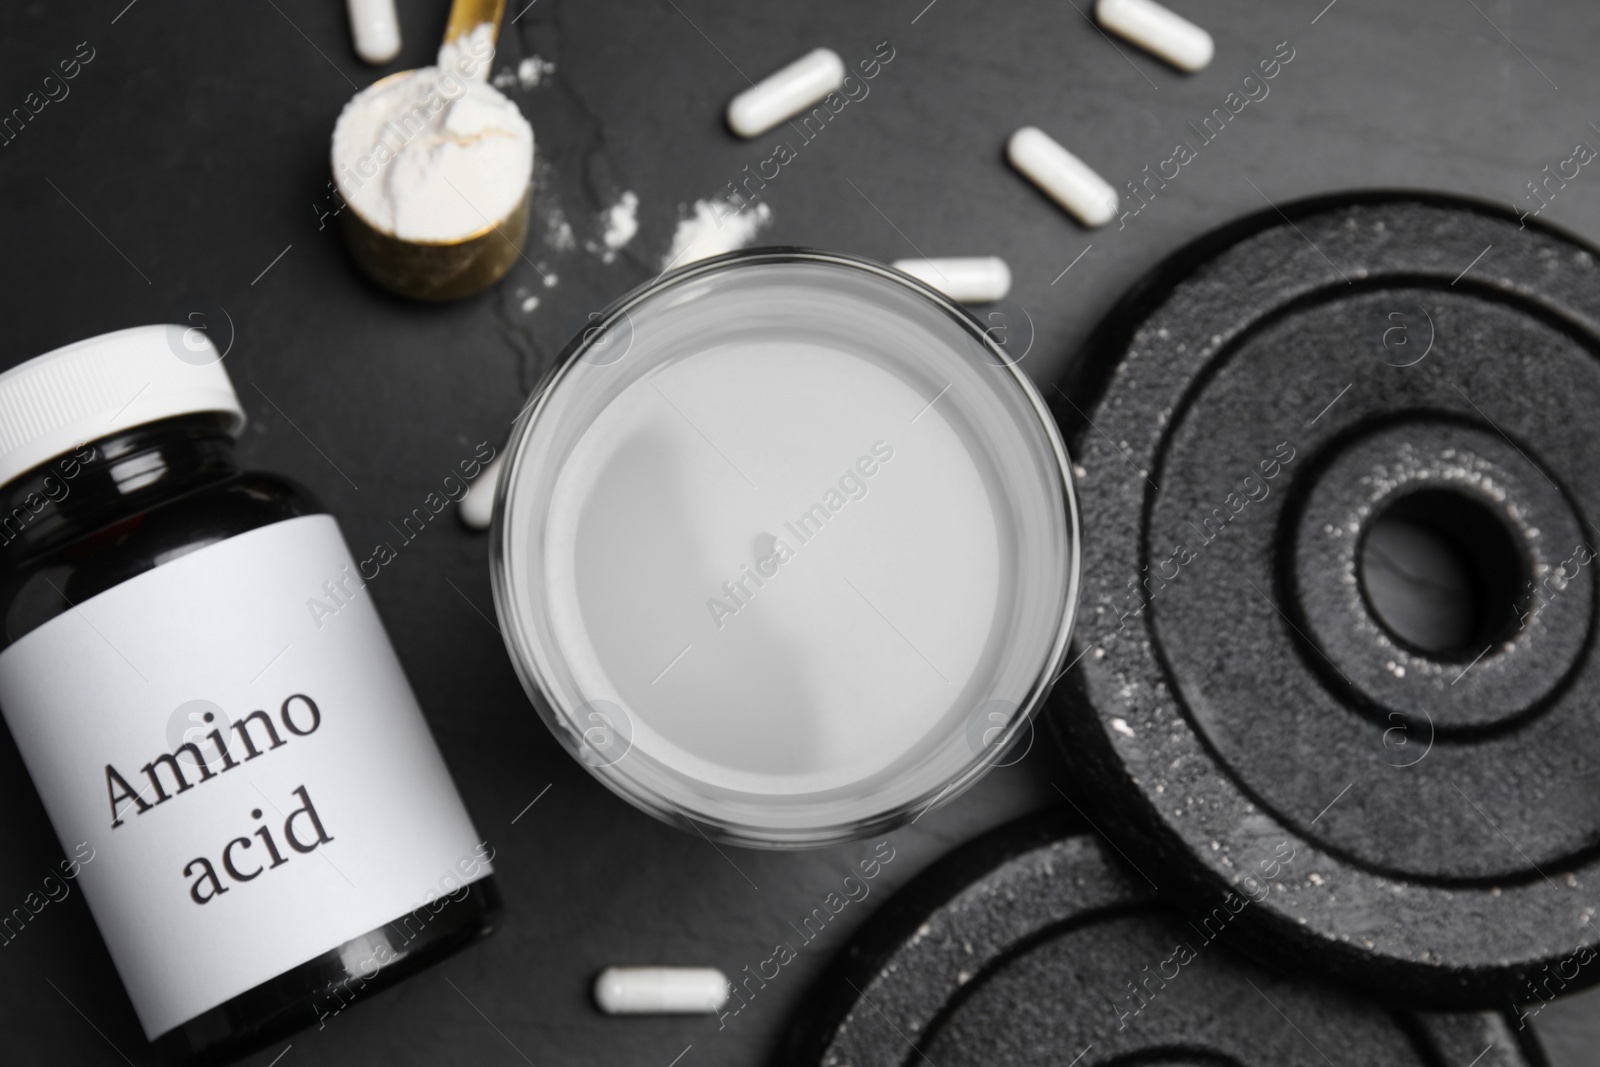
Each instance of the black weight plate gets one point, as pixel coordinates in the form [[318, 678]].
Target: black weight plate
[[1243, 425], [1026, 947]]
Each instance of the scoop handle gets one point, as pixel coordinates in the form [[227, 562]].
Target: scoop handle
[[466, 15]]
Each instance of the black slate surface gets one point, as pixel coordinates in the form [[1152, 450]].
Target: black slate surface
[[188, 162]]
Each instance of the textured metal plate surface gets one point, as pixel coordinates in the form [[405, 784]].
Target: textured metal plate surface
[[1036, 945], [1242, 426]]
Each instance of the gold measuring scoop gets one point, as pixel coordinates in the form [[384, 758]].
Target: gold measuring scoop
[[442, 269]]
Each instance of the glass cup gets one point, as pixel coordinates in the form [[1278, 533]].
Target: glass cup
[[786, 550]]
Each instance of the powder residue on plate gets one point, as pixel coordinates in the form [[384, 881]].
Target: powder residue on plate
[[715, 227]]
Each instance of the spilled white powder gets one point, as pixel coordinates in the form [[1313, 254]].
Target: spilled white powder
[[715, 227], [436, 153], [529, 74], [558, 231], [620, 222], [533, 70]]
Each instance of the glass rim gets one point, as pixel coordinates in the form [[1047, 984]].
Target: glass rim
[[520, 644]]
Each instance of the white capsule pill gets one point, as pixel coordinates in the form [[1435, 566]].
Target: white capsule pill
[[376, 30], [1064, 177], [660, 990], [1158, 31], [784, 95], [477, 507], [968, 279]]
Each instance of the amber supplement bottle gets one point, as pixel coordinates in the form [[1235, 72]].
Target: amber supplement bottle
[[274, 833]]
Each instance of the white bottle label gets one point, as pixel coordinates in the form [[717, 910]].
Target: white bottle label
[[330, 813]]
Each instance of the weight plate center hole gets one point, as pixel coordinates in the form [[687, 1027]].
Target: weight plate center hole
[[1442, 574]]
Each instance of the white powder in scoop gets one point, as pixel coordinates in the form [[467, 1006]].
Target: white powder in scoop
[[715, 227], [433, 154], [470, 53]]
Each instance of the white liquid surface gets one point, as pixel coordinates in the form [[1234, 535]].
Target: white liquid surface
[[863, 641]]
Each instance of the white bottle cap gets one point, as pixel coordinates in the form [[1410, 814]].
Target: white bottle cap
[[56, 402]]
